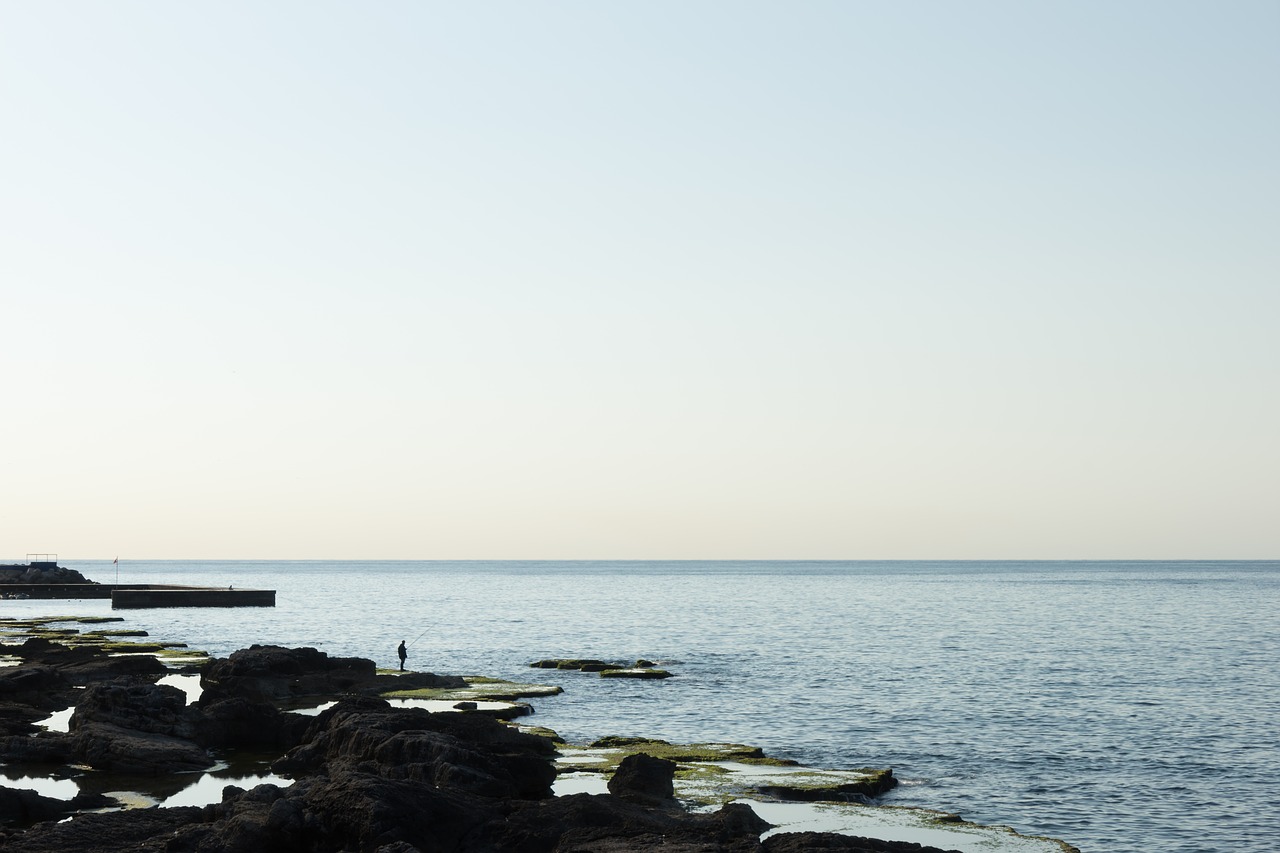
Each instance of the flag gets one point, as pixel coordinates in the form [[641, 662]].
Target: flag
[[116, 561]]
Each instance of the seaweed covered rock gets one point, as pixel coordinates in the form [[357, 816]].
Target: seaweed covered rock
[[83, 664], [874, 783], [579, 664]]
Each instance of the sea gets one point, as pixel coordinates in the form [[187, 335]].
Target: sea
[[1123, 707]]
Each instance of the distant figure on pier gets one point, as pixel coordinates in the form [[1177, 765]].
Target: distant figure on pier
[[403, 654]]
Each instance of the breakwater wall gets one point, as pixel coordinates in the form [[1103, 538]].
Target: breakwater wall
[[133, 596]]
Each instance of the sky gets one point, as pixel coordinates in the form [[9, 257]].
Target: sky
[[661, 280]]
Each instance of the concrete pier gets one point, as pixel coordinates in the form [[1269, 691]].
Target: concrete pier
[[191, 597], [140, 595]]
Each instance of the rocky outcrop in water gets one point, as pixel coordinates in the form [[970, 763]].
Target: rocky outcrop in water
[[40, 573], [642, 778], [368, 777], [640, 669], [86, 664], [278, 674]]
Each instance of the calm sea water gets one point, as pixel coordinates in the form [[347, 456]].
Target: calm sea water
[[1119, 706]]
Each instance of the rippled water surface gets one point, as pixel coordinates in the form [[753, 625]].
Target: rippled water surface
[[1120, 706]]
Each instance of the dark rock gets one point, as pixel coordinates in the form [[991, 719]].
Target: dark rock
[[587, 823], [369, 777], [84, 664], [133, 831], [274, 673], [641, 778], [105, 666], [21, 807], [466, 752], [112, 749], [42, 573], [136, 704], [861, 791], [581, 664], [19, 719], [245, 724], [805, 842], [34, 685], [376, 778], [40, 748], [614, 741], [132, 726], [416, 681]]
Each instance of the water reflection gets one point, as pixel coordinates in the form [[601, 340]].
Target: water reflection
[[208, 788], [188, 684], [59, 721], [179, 789], [46, 786], [434, 705]]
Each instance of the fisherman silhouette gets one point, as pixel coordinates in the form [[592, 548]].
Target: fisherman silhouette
[[403, 654]]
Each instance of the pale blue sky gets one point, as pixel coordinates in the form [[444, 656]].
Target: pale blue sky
[[591, 280]]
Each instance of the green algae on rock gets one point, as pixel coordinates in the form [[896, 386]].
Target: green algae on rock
[[117, 632], [641, 669], [544, 732], [478, 688], [621, 747], [36, 621], [717, 773], [579, 664], [111, 641]]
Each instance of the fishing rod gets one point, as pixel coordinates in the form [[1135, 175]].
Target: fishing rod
[[419, 637]]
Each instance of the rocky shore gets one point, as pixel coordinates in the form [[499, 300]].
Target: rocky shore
[[366, 776], [39, 573]]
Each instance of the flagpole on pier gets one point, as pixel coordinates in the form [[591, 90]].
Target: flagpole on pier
[[117, 562]]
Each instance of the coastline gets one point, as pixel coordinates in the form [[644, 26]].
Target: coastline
[[241, 705]]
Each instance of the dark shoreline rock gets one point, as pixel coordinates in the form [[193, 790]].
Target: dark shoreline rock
[[368, 776]]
